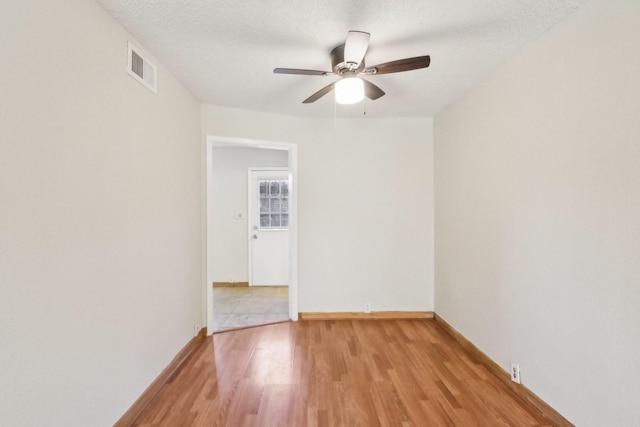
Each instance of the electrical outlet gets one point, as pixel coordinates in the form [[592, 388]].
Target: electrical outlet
[[367, 307], [515, 373], [196, 329]]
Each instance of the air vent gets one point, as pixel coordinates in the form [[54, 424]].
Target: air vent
[[140, 68]]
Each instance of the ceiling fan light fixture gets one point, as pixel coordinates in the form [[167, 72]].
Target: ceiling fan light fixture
[[348, 62], [349, 90]]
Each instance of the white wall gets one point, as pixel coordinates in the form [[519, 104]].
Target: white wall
[[538, 215], [229, 256], [365, 206], [100, 279]]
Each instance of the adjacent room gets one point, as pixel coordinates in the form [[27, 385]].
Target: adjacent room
[[444, 198], [248, 243]]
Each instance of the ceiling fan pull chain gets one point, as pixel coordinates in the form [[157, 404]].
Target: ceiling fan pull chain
[[335, 116]]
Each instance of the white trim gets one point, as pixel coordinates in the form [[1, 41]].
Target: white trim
[[250, 213], [219, 141], [208, 291], [133, 48]]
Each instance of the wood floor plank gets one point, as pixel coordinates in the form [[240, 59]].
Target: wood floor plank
[[327, 373]]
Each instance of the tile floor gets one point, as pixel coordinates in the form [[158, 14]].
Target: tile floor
[[250, 306]]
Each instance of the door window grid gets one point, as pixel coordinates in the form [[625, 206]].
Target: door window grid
[[274, 204]]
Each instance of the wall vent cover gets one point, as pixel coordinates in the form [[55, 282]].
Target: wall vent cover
[[141, 68]]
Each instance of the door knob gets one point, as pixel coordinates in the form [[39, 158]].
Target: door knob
[[255, 236]]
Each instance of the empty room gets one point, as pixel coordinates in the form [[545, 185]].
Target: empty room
[[444, 198]]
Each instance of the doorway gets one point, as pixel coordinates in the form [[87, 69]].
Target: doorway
[[291, 250]]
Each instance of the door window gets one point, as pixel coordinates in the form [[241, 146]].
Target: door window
[[274, 204]]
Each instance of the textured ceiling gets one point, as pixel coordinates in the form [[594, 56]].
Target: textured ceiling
[[225, 51]]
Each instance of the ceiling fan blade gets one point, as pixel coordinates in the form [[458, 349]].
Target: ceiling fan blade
[[319, 94], [356, 47], [400, 65], [372, 91], [301, 72]]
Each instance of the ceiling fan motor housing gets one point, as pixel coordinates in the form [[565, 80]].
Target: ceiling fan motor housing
[[339, 66]]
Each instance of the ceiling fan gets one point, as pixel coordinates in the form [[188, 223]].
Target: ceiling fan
[[347, 62]]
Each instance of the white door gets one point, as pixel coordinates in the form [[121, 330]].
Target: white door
[[269, 227]]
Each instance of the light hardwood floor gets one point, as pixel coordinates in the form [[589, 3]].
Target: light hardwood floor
[[326, 373]]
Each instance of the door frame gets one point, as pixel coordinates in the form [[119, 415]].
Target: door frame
[[250, 207], [213, 141]]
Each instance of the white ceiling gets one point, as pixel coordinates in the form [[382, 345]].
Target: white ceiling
[[224, 51]]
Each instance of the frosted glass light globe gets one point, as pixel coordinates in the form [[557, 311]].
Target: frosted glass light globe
[[349, 90]]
